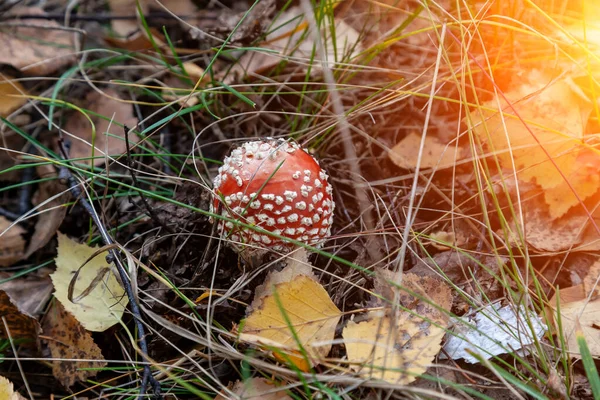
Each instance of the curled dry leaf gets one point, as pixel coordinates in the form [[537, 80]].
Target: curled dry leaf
[[98, 298], [254, 388], [12, 95], [20, 324], [12, 243], [36, 46], [7, 391], [551, 143], [398, 348], [67, 339], [435, 155], [49, 202], [106, 141], [293, 315]]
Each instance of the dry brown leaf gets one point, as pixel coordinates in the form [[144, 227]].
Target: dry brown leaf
[[576, 309], [67, 339], [79, 126], [7, 391], [12, 244], [310, 312], [398, 348], [435, 154], [29, 293], [254, 388], [36, 46], [20, 324], [125, 27], [49, 200], [12, 95], [552, 130]]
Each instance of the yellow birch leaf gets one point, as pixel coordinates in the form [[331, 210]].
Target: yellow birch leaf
[[399, 348], [100, 299], [545, 140], [7, 391], [311, 314]]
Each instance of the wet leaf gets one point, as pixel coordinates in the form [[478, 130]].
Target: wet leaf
[[254, 388], [397, 348], [551, 130], [311, 314], [12, 95], [99, 298], [7, 391], [12, 243], [36, 46], [435, 154], [106, 142], [67, 339]]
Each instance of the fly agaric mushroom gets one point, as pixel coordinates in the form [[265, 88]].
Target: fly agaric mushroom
[[277, 186]]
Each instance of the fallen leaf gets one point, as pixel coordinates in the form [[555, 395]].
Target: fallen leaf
[[7, 391], [254, 388], [35, 46], [49, 202], [106, 142], [435, 154], [12, 95], [552, 130], [311, 314], [29, 293], [576, 308], [67, 339], [398, 348], [125, 27], [12, 243], [492, 331], [99, 298], [21, 326]]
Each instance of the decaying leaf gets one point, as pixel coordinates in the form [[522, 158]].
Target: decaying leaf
[[7, 391], [106, 142], [67, 339], [550, 145], [300, 304], [20, 324], [435, 154], [49, 202], [398, 348], [254, 388], [35, 46], [12, 243], [99, 299], [575, 307], [12, 95], [494, 330]]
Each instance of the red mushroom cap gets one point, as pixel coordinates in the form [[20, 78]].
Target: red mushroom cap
[[277, 186]]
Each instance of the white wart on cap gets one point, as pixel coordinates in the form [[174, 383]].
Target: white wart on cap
[[277, 186]]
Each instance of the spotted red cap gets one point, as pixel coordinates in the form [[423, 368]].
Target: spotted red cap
[[277, 186]]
